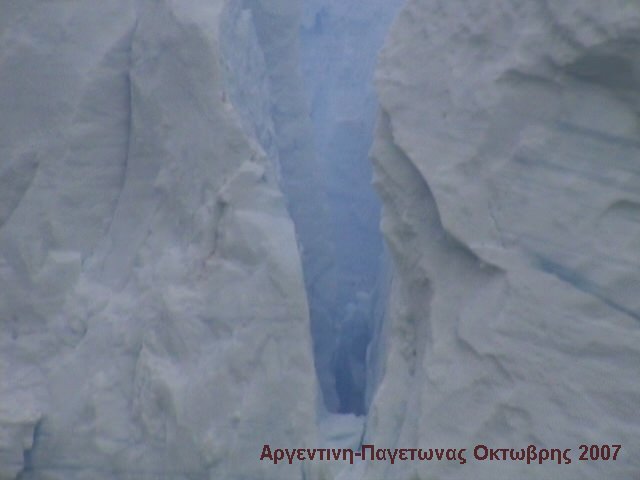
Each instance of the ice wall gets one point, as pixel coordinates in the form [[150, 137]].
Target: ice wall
[[339, 46], [154, 321], [277, 32], [506, 156]]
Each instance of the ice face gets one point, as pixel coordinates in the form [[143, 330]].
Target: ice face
[[506, 156], [154, 319]]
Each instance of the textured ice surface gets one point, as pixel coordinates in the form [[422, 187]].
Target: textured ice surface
[[507, 158], [153, 311]]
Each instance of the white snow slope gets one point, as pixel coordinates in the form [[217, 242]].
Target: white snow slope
[[154, 321], [508, 159]]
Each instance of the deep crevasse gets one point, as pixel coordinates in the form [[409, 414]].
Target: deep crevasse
[[325, 173], [339, 46]]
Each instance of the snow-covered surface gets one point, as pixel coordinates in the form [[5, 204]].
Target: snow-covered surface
[[341, 431], [507, 156], [154, 315]]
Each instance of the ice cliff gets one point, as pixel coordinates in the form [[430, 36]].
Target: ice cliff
[[153, 310], [507, 157]]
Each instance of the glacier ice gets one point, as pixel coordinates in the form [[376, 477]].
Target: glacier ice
[[506, 157], [189, 255], [154, 316]]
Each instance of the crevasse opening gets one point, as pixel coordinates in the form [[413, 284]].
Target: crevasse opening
[[322, 154], [339, 42]]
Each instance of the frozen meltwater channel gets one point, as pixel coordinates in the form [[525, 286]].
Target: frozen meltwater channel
[[339, 45]]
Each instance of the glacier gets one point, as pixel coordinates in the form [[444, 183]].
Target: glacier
[[506, 156], [193, 262], [154, 314]]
